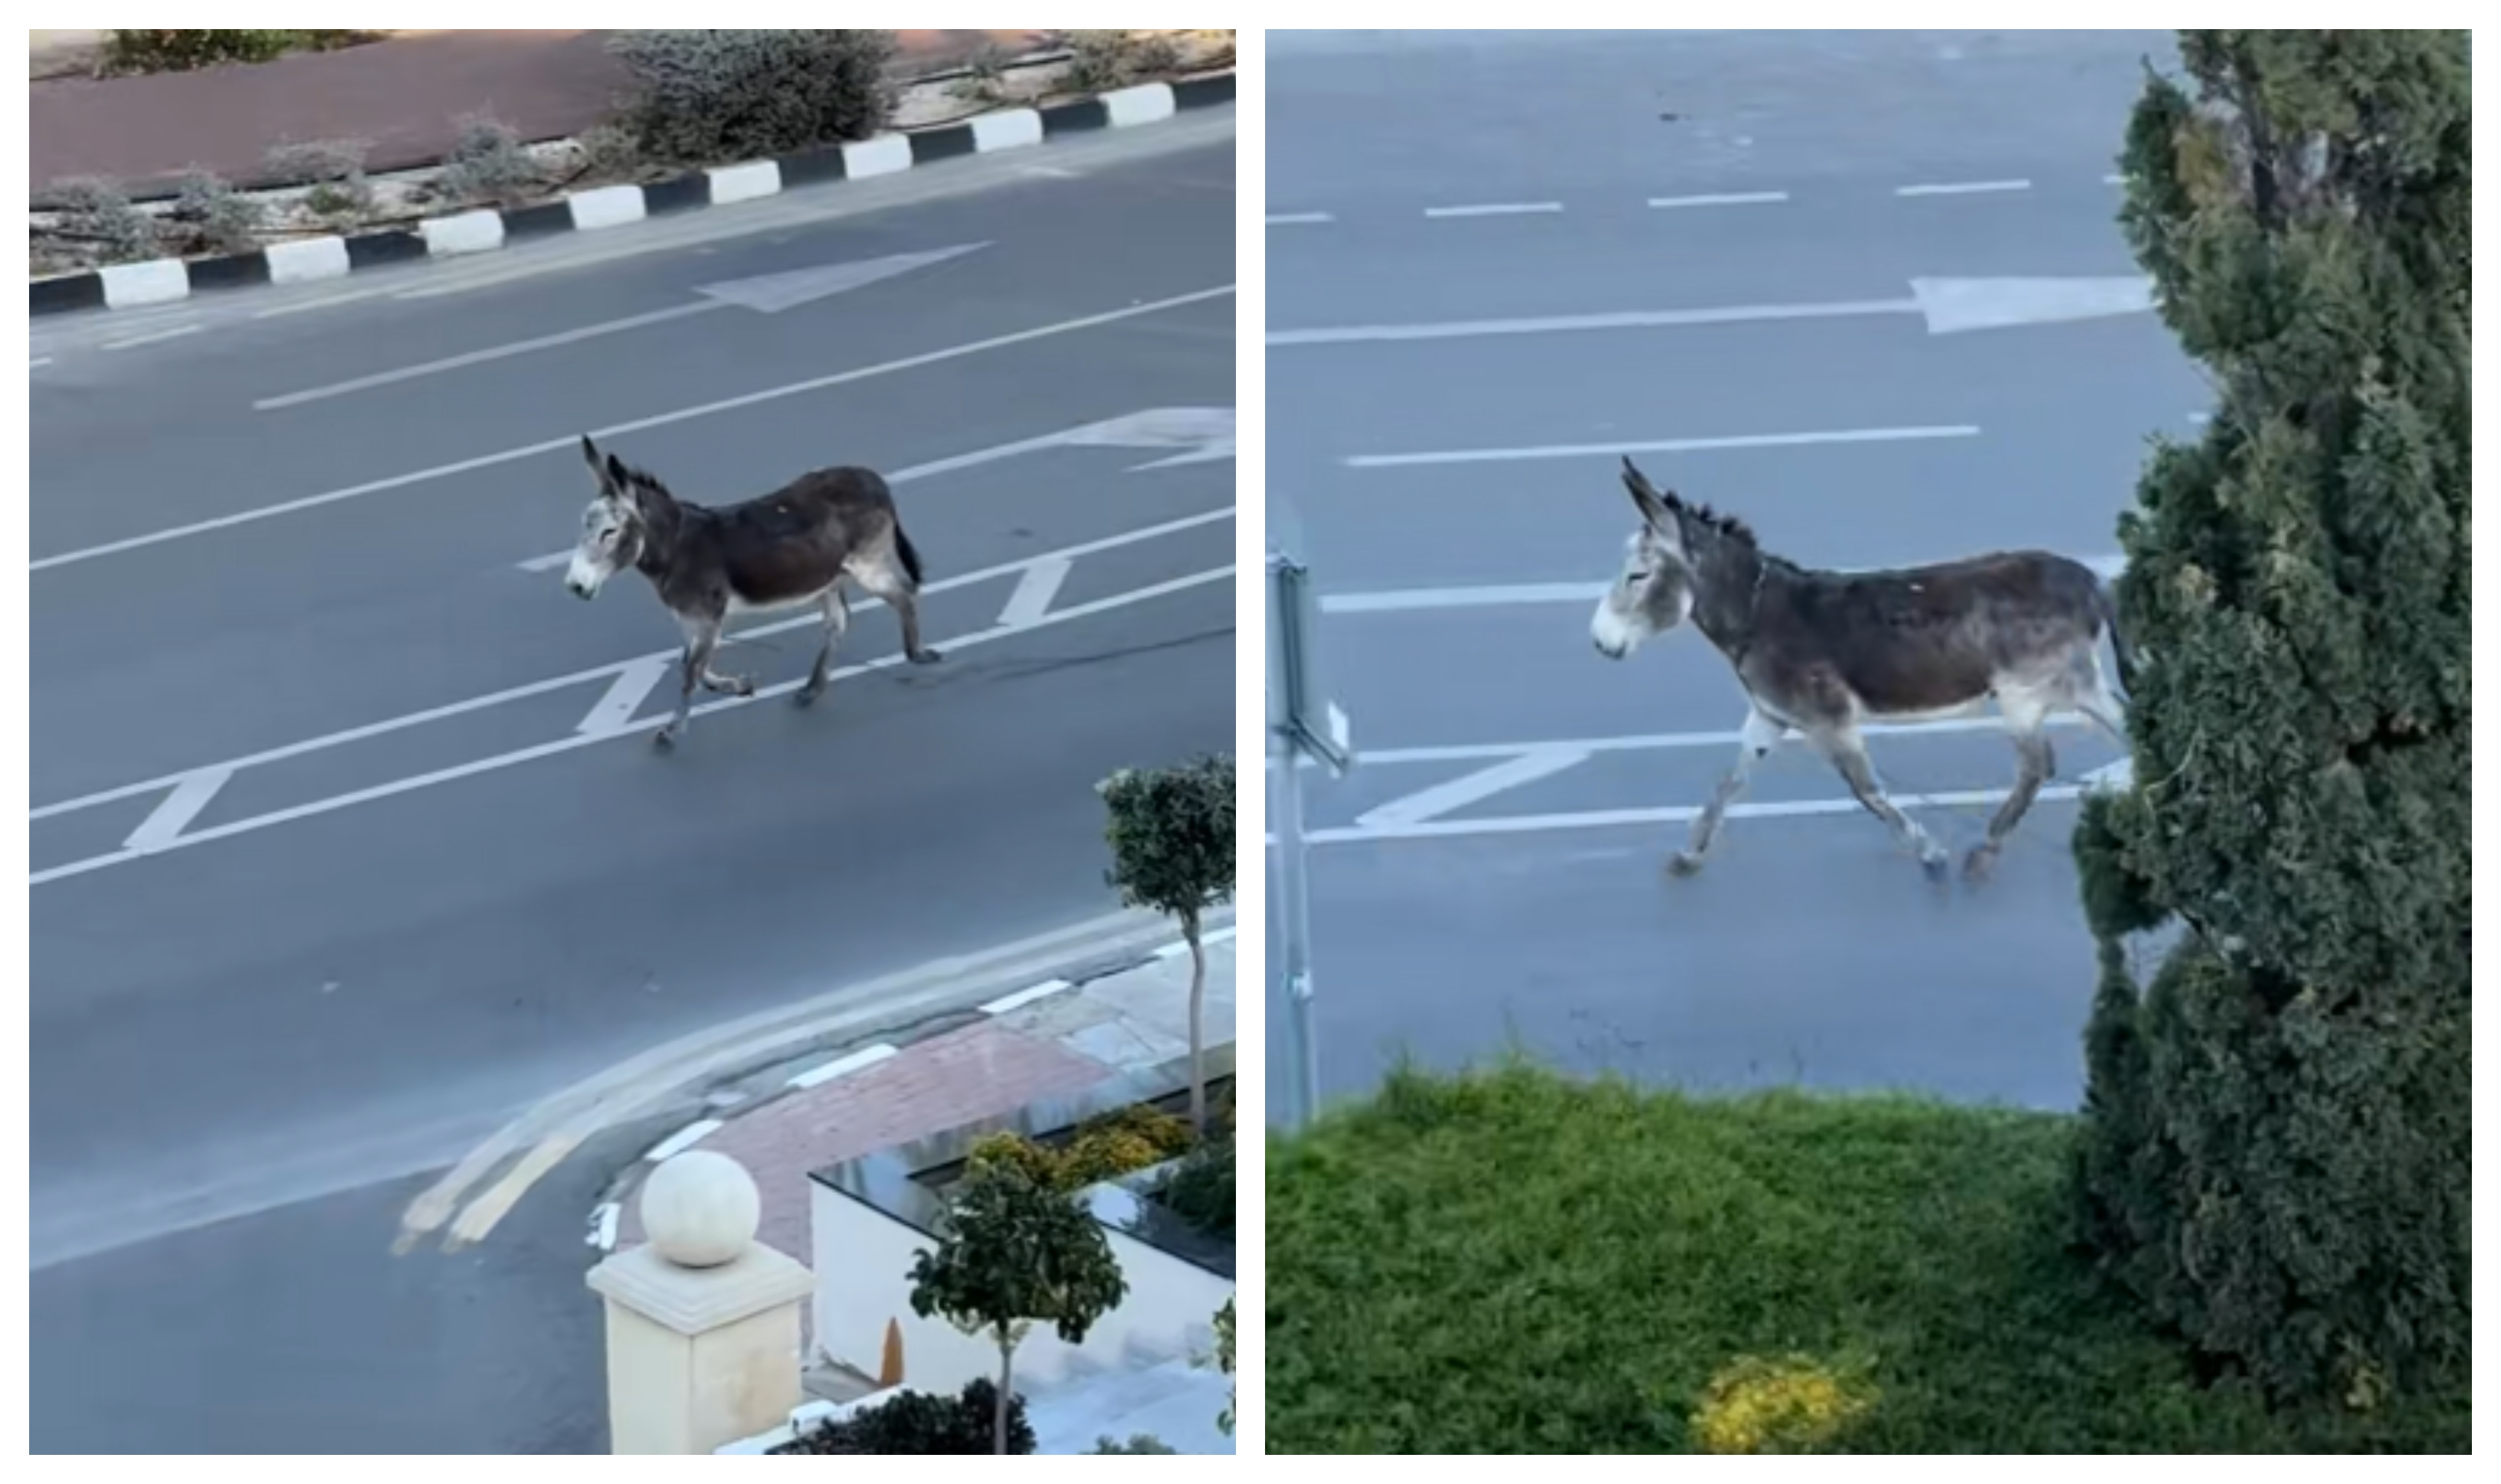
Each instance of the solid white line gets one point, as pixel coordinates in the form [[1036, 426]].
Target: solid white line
[[2113, 179], [626, 694], [1424, 599], [166, 822], [1601, 819], [1498, 209], [1658, 446], [1467, 752], [1300, 219], [490, 354], [40, 362], [1736, 198], [866, 1056], [177, 333], [603, 1227], [1554, 324], [598, 672], [1473, 788], [1027, 996], [350, 297], [1963, 189], [684, 1139], [514, 759], [571, 441], [1034, 592]]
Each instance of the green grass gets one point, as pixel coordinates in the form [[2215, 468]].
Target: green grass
[[1514, 1262]]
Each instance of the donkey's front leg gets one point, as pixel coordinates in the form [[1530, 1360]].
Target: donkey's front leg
[[701, 639], [1756, 740], [838, 619], [2036, 763], [1848, 751]]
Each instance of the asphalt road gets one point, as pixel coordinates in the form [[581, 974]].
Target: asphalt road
[[1460, 510], [390, 877]]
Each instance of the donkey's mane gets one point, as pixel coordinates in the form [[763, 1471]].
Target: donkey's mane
[[1715, 521], [644, 478]]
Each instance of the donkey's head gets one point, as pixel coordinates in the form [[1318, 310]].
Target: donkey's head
[[1683, 562], [618, 526]]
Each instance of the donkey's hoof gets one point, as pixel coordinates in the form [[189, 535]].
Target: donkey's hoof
[[928, 657], [1934, 862], [743, 687], [1684, 862], [1977, 865], [806, 696], [665, 740]]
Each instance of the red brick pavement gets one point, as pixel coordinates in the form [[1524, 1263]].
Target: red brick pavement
[[405, 96], [978, 1071]]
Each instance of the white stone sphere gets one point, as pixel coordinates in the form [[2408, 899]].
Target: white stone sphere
[[700, 1209]]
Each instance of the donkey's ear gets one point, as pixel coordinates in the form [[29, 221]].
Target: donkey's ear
[[1652, 505], [591, 455]]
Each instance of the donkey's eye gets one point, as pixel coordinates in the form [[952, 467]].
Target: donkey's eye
[[1635, 579]]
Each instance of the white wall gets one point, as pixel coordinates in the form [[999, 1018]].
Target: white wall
[[863, 1263]]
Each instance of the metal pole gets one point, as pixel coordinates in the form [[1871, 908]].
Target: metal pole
[[1295, 934]]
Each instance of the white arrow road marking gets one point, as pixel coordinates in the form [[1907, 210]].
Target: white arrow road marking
[[570, 442], [1658, 446], [625, 695], [168, 821], [1034, 592], [1473, 788], [768, 294]]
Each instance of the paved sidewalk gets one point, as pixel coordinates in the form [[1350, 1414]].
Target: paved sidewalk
[[405, 96], [1051, 1043]]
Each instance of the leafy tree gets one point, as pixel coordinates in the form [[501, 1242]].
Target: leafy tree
[[1013, 1254], [1171, 832], [2276, 1155], [1224, 1362]]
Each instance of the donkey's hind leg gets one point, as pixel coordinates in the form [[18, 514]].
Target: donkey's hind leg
[[2027, 718], [1846, 751], [882, 574], [1756, 740], [837, 621]]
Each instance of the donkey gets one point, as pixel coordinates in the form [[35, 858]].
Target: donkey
[[790, 549], [1822, 653]]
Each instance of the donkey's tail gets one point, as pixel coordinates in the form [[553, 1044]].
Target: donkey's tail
[[2105, 603], [910, 554]]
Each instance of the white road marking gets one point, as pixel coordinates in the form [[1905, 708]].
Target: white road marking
[[1734, 198], [571, 441], [1179, 947], [841, 1066], [598, 672], [1498, 209], [1658, 446], [603, 1227], [514, 759], [1034, 592], [1652, 742], [1963, 189], [1300, 219], [2113, 179], [490, 354], [41, 361], [167, 821], [350, 297], [1025, 996], [626, 694], [1646, 319], [1956, 306], [1473, 788], [177, 333], [1414, 600], [684, 1139], [1602, 819]]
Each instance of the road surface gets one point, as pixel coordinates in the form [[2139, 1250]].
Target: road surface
[[1483, 255], [349, 842]]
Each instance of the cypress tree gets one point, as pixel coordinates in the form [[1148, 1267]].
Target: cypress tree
[[2275, 1156]]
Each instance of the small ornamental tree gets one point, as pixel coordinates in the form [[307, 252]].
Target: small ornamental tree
[[1172, 850], [2276, 1147], [1013, 1254]]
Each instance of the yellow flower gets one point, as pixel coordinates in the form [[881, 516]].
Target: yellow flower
[[1789, 1405]]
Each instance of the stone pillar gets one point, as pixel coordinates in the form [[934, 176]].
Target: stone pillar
[[703, 1320]]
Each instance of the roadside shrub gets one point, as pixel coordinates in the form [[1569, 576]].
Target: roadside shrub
[[607, 152], [710, 97], [985, 76], [918, 1422], [1103, 1148], [1102, 60], [189, 51], [334, 169], [1789, 1405], [1200, 1188], [488, 165], [213, 217], [95, 212]]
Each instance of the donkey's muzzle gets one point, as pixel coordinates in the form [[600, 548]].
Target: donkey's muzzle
[[1612, 651]]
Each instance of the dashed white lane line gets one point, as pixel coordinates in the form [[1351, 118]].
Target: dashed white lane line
[[1497, 209], [1027, 996], [1963, 189], [1034, 592], [843, 1066], [1300, 219], [684, 1139], [1732, 198], [177, 333]]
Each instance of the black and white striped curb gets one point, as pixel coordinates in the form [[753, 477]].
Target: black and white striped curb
[[128, 285], [604, 1216]]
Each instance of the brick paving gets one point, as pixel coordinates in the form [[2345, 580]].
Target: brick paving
[[404, 97]]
